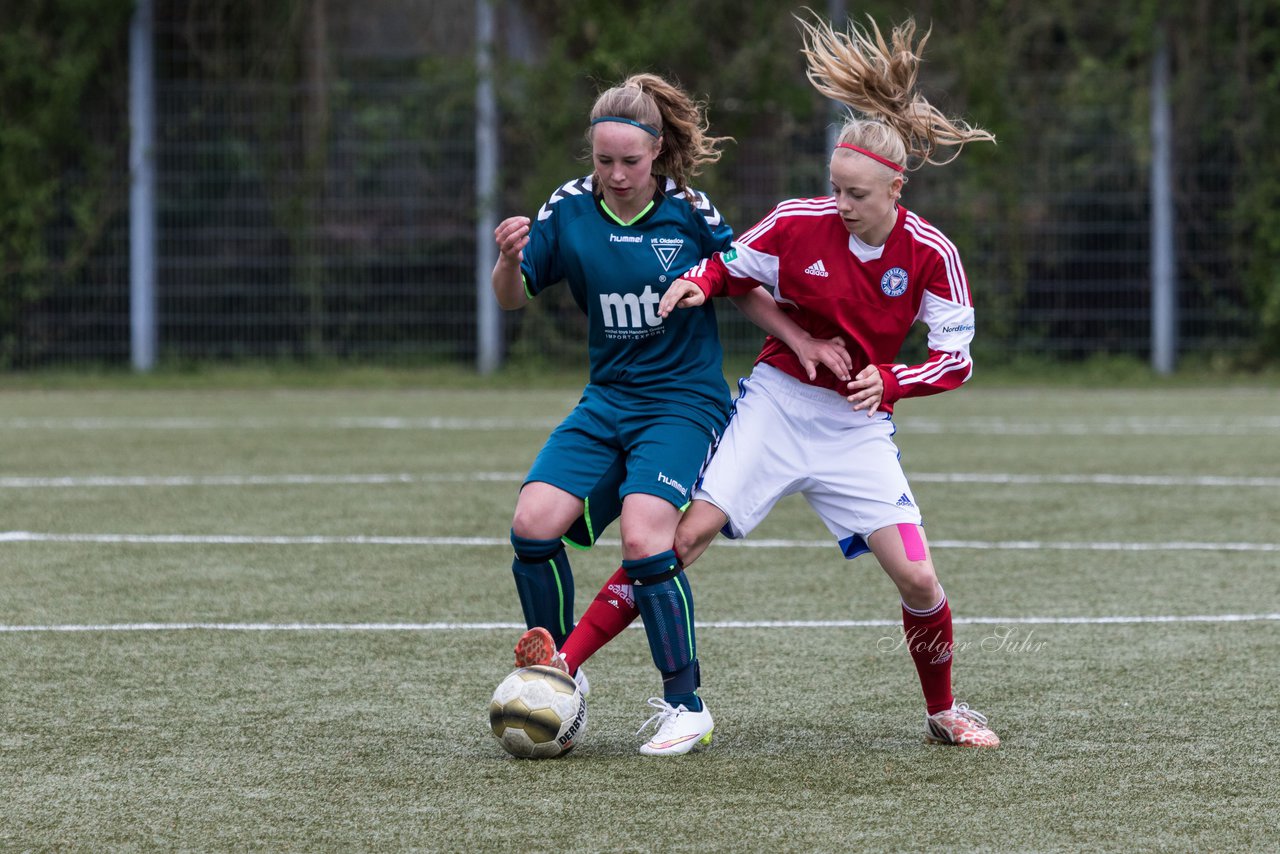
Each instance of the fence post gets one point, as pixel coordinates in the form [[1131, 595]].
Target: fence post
[[142, 188], [488, 320], [838, 15], [1164, 276]]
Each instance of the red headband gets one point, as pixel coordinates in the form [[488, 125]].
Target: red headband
[[876, 157]]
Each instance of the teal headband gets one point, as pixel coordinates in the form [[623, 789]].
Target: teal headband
[[652, 131]]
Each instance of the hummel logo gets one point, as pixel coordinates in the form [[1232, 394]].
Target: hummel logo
[[817, 269], [904, 501]]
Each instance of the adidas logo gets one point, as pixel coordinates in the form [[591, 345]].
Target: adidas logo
[[623, 592], [904, 501], [817, 269]]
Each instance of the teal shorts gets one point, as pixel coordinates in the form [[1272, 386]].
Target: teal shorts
[[611, 446]]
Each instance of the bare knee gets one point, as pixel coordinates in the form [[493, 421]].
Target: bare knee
[[544, 512], [529, 524], [691, 542], [918, 585], [904, 556], [698, 527]]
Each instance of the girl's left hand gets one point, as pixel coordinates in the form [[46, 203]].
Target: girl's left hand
[[867, 390]]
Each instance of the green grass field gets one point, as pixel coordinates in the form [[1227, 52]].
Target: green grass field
[[271, 619]]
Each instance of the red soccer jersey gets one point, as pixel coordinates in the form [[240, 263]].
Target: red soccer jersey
[[831, 283]]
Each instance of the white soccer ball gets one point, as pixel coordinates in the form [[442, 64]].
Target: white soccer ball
[[538, 712]]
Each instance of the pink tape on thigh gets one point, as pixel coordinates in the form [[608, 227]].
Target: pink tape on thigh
[[911, 541]]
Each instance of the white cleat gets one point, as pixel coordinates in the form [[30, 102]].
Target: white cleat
[[679, 730]]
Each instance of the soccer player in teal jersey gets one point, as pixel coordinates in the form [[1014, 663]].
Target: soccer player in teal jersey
[[656, 400]]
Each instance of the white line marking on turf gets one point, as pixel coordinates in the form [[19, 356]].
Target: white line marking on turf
[[1094, 479], [256, 480], [516, 477], [715, 624], [325, 540], [1172, 425], [1153, 425], [249, 540], [301, 422]]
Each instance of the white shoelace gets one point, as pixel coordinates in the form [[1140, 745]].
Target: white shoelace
[[963, 710], [665, 713]]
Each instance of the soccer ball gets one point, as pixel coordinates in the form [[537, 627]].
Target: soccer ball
[[538, 712]]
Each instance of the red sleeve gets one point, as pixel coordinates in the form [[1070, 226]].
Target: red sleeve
[[751, 261], [713, 278], [946, 310]]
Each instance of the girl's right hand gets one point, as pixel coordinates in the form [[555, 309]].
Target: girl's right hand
[[829, 352], [512, 236], [681, 294]]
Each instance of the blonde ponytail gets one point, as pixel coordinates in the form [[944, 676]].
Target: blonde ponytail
[[876, 79]]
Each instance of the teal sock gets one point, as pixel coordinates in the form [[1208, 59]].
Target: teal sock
[[665, 601], [681, 688], [544, 581]]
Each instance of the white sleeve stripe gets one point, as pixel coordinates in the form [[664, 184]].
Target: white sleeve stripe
[[960, 284], [955, 273], [793, 207], [931, 371], [698, 269], [937, 241], [768, 222], [925, 228]]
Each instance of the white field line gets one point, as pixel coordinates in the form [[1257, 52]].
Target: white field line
[[367, 540], [1154, 425], [715, 624], [1173, 425], [92, 481], [278, 423], [255, 480]]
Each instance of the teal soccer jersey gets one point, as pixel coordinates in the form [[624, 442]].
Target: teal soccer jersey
[[617, 274]]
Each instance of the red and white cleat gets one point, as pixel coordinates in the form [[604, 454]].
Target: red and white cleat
[[536, 646], [961, 726]]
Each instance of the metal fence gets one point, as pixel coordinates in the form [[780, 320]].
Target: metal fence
[[339, 222]]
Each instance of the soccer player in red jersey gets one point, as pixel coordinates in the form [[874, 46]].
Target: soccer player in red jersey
[[861, 267]]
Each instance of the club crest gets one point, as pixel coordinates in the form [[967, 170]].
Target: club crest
[[894, 282]]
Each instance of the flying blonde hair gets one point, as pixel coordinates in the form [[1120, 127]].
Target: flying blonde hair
[[876, 79]]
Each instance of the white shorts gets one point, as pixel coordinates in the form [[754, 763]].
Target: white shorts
[[786, 437]]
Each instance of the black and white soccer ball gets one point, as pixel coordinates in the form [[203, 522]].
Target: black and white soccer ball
[[538, 712]]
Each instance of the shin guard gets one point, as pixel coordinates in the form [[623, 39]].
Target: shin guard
[[544, 581], [666, 605]]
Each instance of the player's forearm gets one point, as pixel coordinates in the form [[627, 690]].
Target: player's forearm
[[508, 285], [942, 371], [762, 310]]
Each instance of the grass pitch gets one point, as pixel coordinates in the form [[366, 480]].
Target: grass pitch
[[272, 619]]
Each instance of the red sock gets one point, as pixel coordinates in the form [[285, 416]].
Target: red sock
[[613, 609], [930, 640]]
